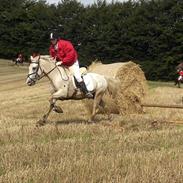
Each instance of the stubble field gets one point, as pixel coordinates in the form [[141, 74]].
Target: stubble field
[[130, 149]]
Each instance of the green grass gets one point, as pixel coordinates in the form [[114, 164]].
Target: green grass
[[155, 84]]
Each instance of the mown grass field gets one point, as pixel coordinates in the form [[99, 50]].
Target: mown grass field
[[130, 149]]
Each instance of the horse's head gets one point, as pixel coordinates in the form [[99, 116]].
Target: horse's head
[[35, 70]]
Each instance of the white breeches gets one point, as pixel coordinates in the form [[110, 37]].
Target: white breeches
[[180, 78], [74, 69], [18, 59]]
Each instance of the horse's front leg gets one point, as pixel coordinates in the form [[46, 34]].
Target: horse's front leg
[[45, 116], [178, 82], [55, 108], [57, 95], [52, 107]]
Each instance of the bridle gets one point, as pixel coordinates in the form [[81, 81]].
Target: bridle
[[37, 76]]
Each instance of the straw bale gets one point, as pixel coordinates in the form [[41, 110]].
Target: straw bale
[[131, 87]]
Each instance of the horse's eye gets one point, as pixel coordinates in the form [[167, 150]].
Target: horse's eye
[[34, 68]]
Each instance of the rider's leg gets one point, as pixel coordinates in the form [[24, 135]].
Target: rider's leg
[[180, 78], [75, 70]]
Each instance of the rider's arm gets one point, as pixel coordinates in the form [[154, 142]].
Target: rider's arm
[[52, 51], [70, 55]]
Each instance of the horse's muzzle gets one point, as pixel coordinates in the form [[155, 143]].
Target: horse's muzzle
[[30, 82]]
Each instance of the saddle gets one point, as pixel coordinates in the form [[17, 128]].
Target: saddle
[[86, 78], [89, 84], [83, 70]]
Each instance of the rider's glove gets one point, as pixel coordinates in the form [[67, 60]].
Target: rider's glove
[[59, 63], [57, 59]]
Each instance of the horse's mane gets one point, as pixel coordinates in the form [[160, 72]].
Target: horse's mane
[[47, 58], [52, 61]]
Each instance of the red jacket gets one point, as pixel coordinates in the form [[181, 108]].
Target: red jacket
[[64, 51], [20, 55], [181, 73]]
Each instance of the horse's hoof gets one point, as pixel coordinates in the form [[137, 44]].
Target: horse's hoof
[[58, 109], [40, 123], [110, 117]]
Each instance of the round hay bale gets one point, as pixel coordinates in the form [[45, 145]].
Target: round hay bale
[[131, 87]]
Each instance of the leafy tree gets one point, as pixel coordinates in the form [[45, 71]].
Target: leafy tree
[[148, 32]]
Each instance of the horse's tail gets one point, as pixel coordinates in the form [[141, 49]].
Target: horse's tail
[[112, 86]]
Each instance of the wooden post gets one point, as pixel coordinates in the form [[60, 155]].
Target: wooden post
[[163, 106]]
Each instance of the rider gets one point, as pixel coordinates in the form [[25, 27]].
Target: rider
[[19, 58], [65, 55], [180, 75]]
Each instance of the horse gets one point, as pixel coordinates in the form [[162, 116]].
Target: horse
[[65, 86], [178, 82]]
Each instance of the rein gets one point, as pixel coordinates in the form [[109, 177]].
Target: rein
[[65, 74], [38, 77], [46, 74]]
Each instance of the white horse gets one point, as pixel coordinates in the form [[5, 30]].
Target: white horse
[[64, 85]]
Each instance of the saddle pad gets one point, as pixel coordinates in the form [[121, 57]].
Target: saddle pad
[[83, 70], [89, 82]]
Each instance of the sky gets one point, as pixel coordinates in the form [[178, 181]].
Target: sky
[[85, 2]]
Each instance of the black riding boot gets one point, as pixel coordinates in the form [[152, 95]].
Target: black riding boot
[[83, 88]]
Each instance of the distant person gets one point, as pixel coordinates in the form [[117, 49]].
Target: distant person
[[65, 54], [180, 75], [19, 59]]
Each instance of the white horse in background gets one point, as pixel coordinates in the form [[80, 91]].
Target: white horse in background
[[64, 85]]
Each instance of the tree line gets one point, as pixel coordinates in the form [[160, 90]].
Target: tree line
[[148, 32]]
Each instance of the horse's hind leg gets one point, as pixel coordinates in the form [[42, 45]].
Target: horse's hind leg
[[102, 103], [96, 103]]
